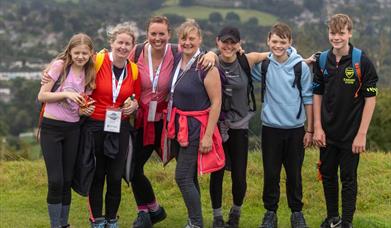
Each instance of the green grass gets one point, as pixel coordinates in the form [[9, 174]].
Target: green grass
[[23, 190], [200, 12]]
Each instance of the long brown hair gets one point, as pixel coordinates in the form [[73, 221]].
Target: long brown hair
[[89, 67]]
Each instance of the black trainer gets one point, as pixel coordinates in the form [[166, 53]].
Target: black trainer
[[269, 220], [331, 222], [218, 222], [143, 220], [297, 220], [158, 216], [233, 220]]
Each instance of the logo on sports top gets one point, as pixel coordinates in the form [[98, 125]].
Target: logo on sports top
[[349, 76], [349, 72]]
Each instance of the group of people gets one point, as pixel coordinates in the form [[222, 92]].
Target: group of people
[[196, 107]]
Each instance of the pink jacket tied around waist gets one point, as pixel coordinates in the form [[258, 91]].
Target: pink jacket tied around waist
[[207, 162]]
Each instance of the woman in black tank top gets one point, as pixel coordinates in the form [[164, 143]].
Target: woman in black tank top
[[192, 93]]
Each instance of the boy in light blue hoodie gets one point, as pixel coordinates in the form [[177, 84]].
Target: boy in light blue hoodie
[[283, 134]]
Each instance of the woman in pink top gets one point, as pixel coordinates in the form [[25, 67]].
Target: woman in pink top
[[155, 60], [72, 74]]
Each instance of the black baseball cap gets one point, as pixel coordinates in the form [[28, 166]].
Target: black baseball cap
[[229, 32]]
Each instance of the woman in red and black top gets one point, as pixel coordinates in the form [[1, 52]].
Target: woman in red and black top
[[116, 94]]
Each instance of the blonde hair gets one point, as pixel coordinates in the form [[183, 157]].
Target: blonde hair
[[89, 67], [188, 26], [338, 22], [125, 27]]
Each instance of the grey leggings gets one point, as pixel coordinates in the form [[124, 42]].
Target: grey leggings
[[186, 178]]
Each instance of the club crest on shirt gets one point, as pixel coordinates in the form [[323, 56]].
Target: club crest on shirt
[[349, 76]]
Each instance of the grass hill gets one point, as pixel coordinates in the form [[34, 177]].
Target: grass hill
[[23, 191]]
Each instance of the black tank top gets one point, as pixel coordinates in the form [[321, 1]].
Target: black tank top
[[190, 95]]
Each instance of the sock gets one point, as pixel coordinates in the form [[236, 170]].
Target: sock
[[64, 215], [218, 212], [55, 214], [154, 206], [235, 209], [142, 208]]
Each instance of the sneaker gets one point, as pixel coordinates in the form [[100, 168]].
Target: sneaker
[[233, 221], [269, 220], [347, 225], [112, 223], [98, 223], [143, 220], [189, 225], [157, 216], [218, 222], [331, 222], [297, 220]]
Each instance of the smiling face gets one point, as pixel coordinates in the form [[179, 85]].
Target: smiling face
[[190, 41], [122, 45], [80, 54], [227, 48], [158, 35], [340, 39], [278, 46]]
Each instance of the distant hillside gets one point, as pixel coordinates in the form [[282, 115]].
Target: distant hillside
[[32, 32], [23, 191], [203, 12]]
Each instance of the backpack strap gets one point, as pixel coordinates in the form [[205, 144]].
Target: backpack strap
[[356, 59], [134, 68], [264, 65], [244, 64], [137, 53], [322, 62], [57, 84], [100, 56], [298, 72], [174, 49]]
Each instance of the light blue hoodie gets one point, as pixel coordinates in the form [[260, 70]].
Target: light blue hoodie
[[281, 100]]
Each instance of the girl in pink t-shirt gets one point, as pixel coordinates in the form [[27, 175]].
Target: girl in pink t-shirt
[[72, 74]]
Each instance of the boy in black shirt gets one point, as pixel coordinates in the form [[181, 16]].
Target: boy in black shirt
[[344, 101]]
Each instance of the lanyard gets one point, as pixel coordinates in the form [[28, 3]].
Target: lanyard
[[116, 89], [176, 76], [154, 77]]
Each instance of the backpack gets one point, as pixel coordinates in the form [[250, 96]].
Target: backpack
[[297, 82], [244, 64], [140, 47], [100, 56], [356, 59]]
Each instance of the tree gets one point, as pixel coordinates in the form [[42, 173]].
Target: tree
[[215, 17], [253, 21], [232, 17]]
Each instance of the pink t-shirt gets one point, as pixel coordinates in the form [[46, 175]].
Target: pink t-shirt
[[163, 82], [65, 110]]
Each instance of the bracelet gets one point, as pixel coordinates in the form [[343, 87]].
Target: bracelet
[[311, 132]]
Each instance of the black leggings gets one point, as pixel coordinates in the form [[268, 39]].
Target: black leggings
[[331, 157], [59, 142], [142, 188], [282, 147], [111, 170], [236, 152]]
